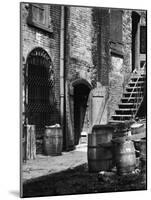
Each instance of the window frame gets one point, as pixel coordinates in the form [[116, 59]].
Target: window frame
[[143, 32], [47, 26]]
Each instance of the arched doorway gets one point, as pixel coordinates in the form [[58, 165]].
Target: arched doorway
[[81, 110], [40, 96], [39, 93]]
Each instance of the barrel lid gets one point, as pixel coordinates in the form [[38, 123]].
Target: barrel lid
[[136, 125], [53, 126]]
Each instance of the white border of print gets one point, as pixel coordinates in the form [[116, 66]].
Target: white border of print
[[9, 100]]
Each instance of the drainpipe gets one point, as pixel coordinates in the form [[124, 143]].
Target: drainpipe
[[62, 38]]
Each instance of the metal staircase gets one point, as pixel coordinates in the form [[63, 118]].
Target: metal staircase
[[131, 99]]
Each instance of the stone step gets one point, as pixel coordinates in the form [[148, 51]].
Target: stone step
[[134, 89], [130, 100], [133, 79], [122, 117], [138, 75], [133, 94], [111, 121], [125, 111], [139, 83], [127, 105]]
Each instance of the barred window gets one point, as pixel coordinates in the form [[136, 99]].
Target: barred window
[[40, 107]]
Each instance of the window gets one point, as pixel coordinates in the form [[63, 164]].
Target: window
[[39, 16], [143, 39]]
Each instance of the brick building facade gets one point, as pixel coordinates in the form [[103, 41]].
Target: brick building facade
[[83, 58]]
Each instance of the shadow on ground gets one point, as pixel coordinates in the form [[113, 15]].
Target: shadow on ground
[[80, 181]]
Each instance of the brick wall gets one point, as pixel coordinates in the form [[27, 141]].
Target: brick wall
[[103, 37], [121, 63], [79, 44], [127, 41], [33, 37]]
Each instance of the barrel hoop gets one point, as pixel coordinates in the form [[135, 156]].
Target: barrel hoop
[[48, 136], [96, 147], [126, 153], [123, 168], [94, 160]]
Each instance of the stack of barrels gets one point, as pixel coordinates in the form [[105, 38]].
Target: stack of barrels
[[110, 146], [100, 156], [123, 149]]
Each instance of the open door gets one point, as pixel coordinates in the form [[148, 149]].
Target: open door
[[81, 94]]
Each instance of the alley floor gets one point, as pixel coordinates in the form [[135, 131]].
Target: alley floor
[[68, 174], [79, 181], [45, 165]]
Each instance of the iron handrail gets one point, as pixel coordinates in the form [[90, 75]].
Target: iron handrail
[[138, 94]]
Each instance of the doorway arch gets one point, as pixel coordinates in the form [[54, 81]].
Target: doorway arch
[[39, 88], [81, 90]]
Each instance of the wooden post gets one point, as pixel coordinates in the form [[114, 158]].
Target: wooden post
[[69, 123], [30, 141]]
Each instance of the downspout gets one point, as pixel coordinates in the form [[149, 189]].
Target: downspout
[[62, 83]]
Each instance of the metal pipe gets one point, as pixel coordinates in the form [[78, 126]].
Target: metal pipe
[[62, 38]]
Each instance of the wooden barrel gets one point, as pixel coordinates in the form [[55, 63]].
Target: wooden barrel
[[143, 149], [53, 140], [121, 133], [125, 158], [137, 128], [100, 148]]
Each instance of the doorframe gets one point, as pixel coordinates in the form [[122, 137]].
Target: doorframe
[[73, 84], [136, 18]]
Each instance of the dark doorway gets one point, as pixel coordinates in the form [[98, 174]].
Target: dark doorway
[[81, 93]]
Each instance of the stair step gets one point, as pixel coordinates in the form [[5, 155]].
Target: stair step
[[127, 105], [130, 100], [133, 94], [135, 89], [122, 117], [138, 75], [111, 121], [139, 83], [138, 79], [125, 111]]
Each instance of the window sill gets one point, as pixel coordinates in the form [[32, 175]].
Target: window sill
[[40, 26]]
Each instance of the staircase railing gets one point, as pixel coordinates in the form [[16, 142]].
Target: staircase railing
[[137, 103], [139, 94]]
